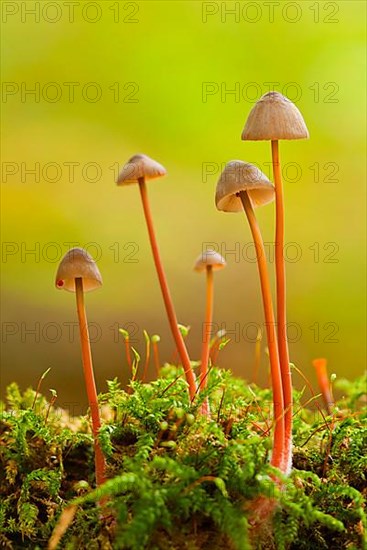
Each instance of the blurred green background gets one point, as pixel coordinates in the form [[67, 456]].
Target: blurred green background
[[156, 77]]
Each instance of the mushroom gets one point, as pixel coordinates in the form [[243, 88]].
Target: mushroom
[[242, 186], [275, 117], [324, 383], [137, 170], [77, 272], [209, 261]]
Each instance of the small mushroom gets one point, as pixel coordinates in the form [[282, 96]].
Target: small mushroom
[[324, 383], [275, 117], [137, 170], [242, 186], [77, 272], [140, 167], [209, 261]]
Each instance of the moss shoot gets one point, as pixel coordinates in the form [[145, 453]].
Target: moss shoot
[[178, 480]]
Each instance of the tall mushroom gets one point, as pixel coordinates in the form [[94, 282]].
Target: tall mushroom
[[242, 187], [137, 170], [209, 261], [275, 117], [77, 272]]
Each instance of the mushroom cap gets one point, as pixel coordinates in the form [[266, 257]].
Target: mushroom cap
[[209, 258], [242, 176], [77, 263], [140, 166], [274, 117]]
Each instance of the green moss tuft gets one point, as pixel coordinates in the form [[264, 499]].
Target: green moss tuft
[[178, 480]]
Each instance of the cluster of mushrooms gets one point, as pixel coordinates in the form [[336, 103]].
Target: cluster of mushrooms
[[241, 188]]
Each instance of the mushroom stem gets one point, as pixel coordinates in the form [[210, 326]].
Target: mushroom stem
[[278, 403], [206, 335], [166, 293], [100, 461], [281, 306]]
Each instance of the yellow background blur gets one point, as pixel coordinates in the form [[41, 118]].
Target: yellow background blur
[[176, 80]]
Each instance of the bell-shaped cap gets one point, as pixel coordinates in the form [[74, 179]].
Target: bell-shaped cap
[[77, 263], [209, 258], [242, 176], [140, 166], [274, 117]]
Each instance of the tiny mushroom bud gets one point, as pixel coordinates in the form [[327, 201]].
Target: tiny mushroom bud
[[242, 186], [275, 117], [324, 383], [79, 273], [137, 170], [208, 261]]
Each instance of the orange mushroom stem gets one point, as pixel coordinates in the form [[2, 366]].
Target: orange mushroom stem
[[171, 314], [207, 327], [281, 305], [277, 456], [100, 461]]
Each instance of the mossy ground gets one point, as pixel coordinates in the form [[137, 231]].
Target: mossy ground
[[180, 481]]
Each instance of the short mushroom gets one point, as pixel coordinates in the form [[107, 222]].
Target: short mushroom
[[324, 383], [209, 261], [242, 187], [77, 272], [275, 117], [137, 170]]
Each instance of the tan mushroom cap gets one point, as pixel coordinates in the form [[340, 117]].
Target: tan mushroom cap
[[140, 166], [242, 176], [209, 258], [274, 117], [77, 263]]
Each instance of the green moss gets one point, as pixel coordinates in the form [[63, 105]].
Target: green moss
[[178, 480]]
